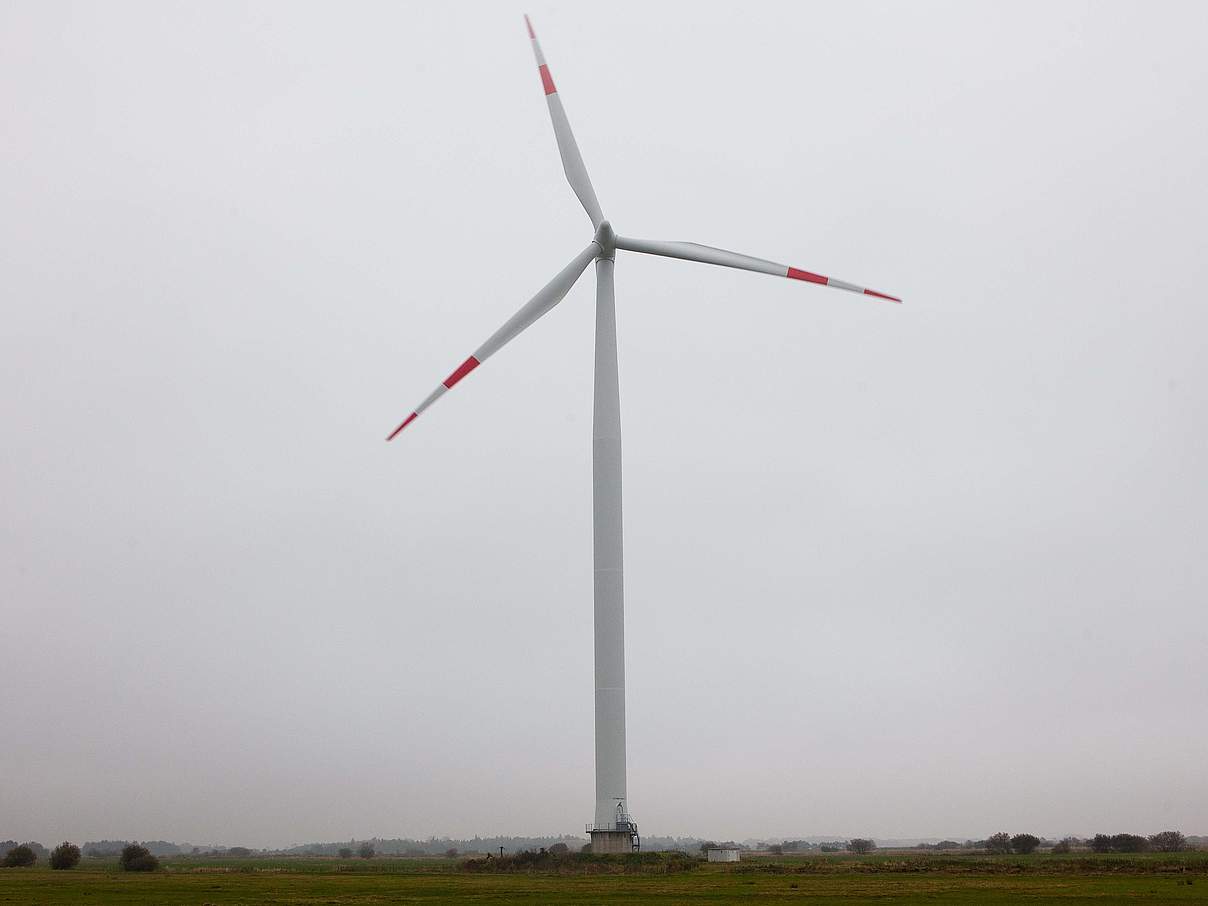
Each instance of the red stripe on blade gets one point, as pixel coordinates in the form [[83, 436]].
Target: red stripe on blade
[[547, 80], [806, 275], [530, 28], [408, 420], [873, 292], [462, 370]]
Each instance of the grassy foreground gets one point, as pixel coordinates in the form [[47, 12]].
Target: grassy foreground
[[818, 880]]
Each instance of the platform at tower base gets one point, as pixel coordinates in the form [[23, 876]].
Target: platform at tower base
[[611, 841]]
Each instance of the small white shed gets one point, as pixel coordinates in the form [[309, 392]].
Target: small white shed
[[723, 855]]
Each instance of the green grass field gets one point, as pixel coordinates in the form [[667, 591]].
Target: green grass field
[[876, 879]]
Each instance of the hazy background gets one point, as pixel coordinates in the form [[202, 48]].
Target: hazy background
[[935, 569]]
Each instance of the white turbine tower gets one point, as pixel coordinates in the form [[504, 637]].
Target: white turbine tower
[[612, 829]]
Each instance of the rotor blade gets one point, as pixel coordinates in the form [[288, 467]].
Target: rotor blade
[[691, 251], [572, 160], [550, 296]]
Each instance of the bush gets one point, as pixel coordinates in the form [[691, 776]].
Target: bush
[[66, 855], [1061, 848], [238, 852], [137, 858], [451, 852], [1120, 843], [20, 856], [861, 845], [1171, 841], [1025, 843], [999, 844], [366, 851], [1129, 843]]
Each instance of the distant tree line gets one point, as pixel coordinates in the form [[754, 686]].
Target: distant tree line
[[1170, 841], [805, 846], [433, 846], [108, 849], [133, 856], [706, 845], [1000, 843]]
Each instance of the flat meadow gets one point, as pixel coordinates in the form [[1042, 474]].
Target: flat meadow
[[896, 877]]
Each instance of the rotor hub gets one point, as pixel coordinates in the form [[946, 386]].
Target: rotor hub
[[606, 239]]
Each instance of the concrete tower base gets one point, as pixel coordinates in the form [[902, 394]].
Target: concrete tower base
[[611, 841]]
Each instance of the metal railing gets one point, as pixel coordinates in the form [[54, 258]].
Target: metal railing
[[627, 827]]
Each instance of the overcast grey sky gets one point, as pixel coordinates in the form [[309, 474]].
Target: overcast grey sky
[[934, 569]]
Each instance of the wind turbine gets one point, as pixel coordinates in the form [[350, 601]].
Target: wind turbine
[[613, 830]]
